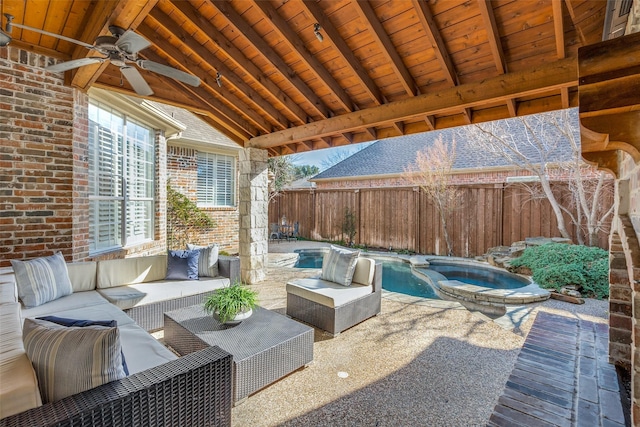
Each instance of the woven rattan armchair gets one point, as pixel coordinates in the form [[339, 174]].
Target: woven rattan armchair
[[194, 390]]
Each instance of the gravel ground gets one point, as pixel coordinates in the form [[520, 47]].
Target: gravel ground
[[412, 365]]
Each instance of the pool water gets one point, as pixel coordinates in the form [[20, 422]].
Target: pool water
[[479, 276], [396, 275]]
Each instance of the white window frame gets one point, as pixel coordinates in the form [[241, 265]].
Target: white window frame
[[132, 151], [216, 189]]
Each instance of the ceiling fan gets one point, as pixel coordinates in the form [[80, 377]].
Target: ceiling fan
[[120, 49]]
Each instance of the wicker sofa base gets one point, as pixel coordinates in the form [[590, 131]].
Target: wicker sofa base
[[194, 390], [333, 320], [150, 317]]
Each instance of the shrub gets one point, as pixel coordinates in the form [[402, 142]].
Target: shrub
[[555, 265]]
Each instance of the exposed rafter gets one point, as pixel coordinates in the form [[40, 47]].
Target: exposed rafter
[[498, 89], [333, 37], [290, 37], [493, 36], [368, 16], [558, 28], [271, 56], [208, 80], [437, 43], [239, 59]]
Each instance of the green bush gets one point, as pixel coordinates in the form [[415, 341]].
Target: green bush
[[555, 265]]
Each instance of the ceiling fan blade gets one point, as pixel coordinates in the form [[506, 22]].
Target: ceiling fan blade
[[136, 80], [169, 72], [130, 42], [47, 33], [70, 65]]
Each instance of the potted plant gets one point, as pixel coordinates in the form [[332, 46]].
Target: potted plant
[[232, 304]]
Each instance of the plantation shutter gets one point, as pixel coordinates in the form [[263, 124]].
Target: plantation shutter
[[105, 179], [216, 180], [121, 180]]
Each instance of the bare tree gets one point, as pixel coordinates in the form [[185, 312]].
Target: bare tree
[[547, 145], [280, 175], [431, 172], [340, 154]]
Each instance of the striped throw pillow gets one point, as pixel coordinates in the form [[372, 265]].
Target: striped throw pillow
[[338, 265], [70, 360], [208, 262], [42, 280]]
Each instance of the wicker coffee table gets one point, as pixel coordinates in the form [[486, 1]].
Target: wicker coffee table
[[265, 347]]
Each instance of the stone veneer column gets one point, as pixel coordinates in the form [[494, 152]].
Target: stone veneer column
[[254, 199]]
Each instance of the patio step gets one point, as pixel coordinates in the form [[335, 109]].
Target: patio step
[[562, 378]]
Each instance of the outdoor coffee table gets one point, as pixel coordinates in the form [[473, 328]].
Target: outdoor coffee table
[[265, 347]]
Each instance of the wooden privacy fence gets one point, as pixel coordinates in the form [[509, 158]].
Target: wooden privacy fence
[[404, 218]]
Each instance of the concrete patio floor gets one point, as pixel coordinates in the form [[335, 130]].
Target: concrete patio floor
[[415, 364]]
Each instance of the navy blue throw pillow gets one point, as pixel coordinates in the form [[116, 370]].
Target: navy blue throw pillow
[[183, 265], [79, 323]]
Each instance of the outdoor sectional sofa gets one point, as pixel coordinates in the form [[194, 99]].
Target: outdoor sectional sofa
[[161, 388]]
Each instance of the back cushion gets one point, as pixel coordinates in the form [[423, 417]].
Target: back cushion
[[82, 275], [129, 271], [363, 273]]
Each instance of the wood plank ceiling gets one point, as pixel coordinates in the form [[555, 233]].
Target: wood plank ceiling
[[378, 68]]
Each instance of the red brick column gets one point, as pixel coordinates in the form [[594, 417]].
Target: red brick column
[[36, 158]]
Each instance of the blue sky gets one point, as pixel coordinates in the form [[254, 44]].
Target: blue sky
[[317, 157]]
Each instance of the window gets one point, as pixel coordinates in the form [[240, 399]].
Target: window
[[121, 180], [216, 180]]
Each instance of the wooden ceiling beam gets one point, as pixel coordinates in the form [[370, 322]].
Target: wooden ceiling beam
[[512, 107], [236, 56], [123, 13], [267, 52], [229, 112], [368, 15], [493, 36], [431, 121], [289, 36], [558, 28], [436, 40], [489, 19], [333, 37], [542, 79], [205, 56], [227, 118]]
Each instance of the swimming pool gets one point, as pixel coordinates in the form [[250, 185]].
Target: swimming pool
[[396, 275], [478, 275]]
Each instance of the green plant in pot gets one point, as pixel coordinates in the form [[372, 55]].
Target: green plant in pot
[[232, 304]]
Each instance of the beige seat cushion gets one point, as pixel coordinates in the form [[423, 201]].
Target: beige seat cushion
[[104, 311], [82, 275], [71, 302], [327, 293], [147, 293], [129, 271], [18, 384], [365, 269], [141, 350]]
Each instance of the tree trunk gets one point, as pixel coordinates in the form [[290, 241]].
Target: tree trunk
[[443, 220], [556, 208]]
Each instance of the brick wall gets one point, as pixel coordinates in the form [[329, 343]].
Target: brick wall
[[36, 159], [44, 203], [182, 171]]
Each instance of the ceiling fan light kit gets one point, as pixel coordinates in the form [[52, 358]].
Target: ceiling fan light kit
[[120, 49]]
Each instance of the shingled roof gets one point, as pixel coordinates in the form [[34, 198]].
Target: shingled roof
[[392, 156], [196, 129]]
